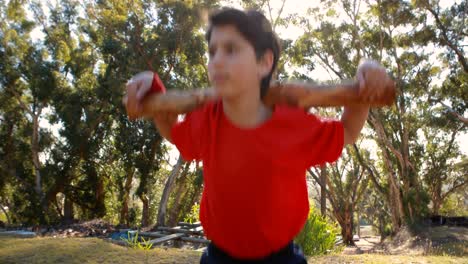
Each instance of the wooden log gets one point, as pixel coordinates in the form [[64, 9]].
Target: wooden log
[[165, 228], [152, 234], [194, 231], [18, 233], [192, 225], [164, 239], [195, 240]]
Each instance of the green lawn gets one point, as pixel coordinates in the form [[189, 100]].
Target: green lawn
[[94, 250], [85, 250], [387, 259]]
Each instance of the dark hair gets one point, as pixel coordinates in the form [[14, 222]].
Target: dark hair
[[255, 27]]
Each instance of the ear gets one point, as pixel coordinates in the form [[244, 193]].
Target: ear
[[265, 63]]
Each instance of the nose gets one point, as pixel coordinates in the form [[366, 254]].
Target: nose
[[216, 60]]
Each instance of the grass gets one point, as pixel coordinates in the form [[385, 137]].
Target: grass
[[387, 259], [94, 250], [85, 250], [451, 249]]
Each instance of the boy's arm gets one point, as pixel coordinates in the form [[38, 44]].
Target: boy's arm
[[164, 123], [147, 97], [307, 95], [175, 101], [353, 119], [373, 88], [376, 88], [310, 95]]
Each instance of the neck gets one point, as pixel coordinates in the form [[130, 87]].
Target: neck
[[246, 111]]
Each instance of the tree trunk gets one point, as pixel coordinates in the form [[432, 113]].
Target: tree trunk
[[161, 221], [394, 198], [381, 227], [100, 198], [179, 193], [145, 214], [125, 197], [347, 227], [323, 191], [358, 225], [35, 156], [394, 204], [68, 210], [436, 204], [176, 207], [123, 220]]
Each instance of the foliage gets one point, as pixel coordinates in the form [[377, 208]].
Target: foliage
[[3, 217], [68, 151], [136, 242], [318, 235], [346, 183], [194, 215], [415, 138], [61, 101], [455, 204]]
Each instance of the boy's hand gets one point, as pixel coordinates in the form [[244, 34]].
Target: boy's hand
[[147, 97], [376, 88], [137, 88]]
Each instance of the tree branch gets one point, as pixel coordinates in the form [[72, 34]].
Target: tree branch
[[279, 15], [18, 98], [460, 55], [371, 172], [463, 119], [453, 189]]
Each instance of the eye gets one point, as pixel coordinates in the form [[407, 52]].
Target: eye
[[211, 52], [230, 49]]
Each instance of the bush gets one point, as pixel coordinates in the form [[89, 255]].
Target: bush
[[136, 242], [194, 215], [318, 236], [3, 217]]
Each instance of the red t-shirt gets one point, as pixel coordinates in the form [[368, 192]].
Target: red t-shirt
[[255, 193]]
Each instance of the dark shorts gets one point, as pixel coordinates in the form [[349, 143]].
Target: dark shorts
[[291, 254]]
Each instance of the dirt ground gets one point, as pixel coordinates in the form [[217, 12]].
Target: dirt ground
[[85, 243], [441, 240], [96, 250]]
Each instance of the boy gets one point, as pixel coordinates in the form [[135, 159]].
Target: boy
[[255, 156]]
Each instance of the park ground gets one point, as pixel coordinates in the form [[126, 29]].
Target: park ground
[[447, 245]]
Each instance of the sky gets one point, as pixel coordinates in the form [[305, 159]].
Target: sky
[[291, 32], [319, 73]]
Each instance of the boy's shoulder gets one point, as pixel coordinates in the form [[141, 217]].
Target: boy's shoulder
[[296, 118], [293, 113], [283, 115], [206, 112]]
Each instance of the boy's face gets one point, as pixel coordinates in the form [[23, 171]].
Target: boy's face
[[233, 69]]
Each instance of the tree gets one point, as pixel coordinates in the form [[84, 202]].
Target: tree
[[346, 184], [381, 31], [28, 81]]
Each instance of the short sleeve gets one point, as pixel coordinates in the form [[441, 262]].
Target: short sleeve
[[187, 135], [323, 140]]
